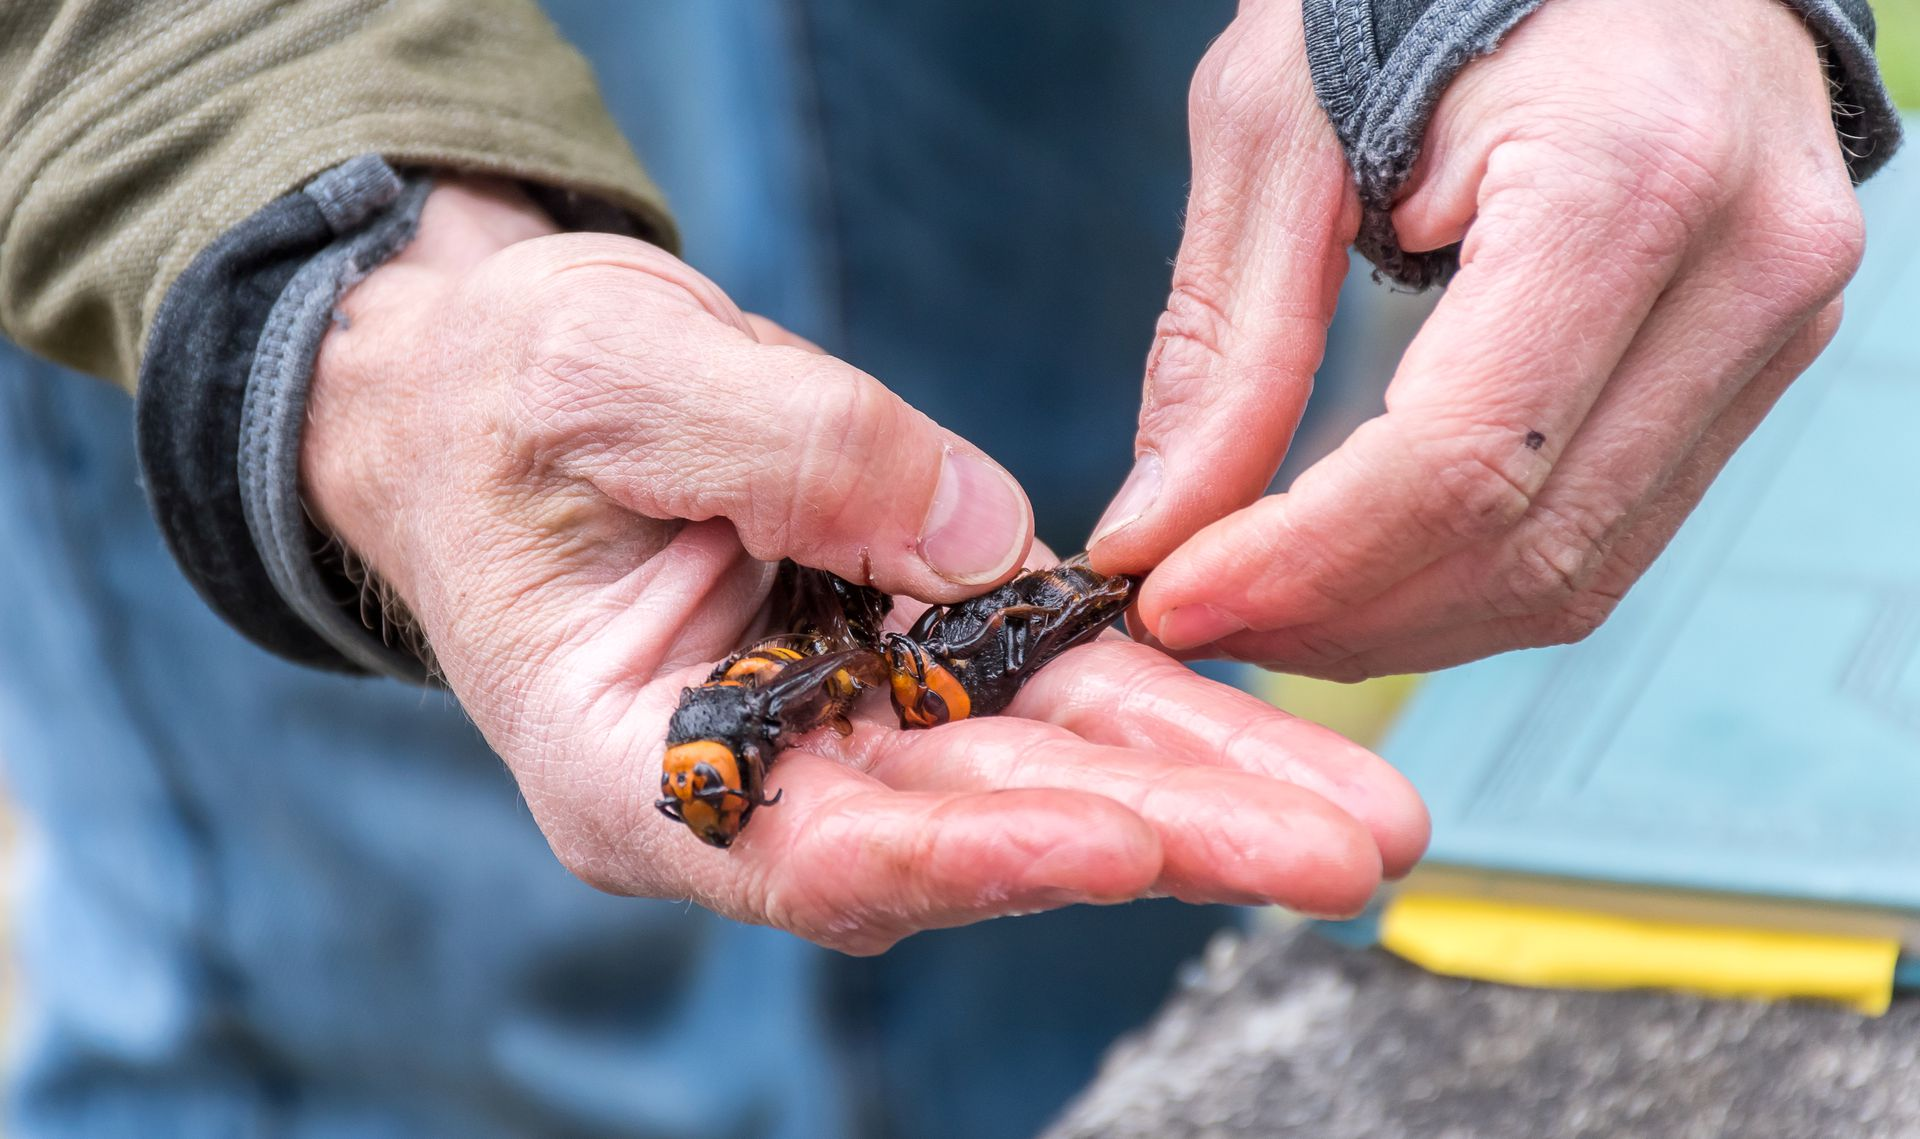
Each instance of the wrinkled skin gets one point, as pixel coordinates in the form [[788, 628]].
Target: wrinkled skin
[[1657, 224], [506, 428]]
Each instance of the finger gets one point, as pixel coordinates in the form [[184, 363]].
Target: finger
[[837, 472], [1128, 695], [1750, 305], [667, 403], [1227, 836], [1654, 525], [1487, 397], [845, 861], [1260, 264]]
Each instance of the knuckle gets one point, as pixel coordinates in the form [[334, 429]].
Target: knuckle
[[1225, 82], [1483, 484], [1646, 178], [1209, 89], [1557, 556], [1190, 344], [1240, 99], [1811, 241], [1196, 313], [1204, 359], [1842, 239]]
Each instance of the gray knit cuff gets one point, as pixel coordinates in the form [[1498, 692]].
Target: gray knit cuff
[[374, 212], [1380, 67]]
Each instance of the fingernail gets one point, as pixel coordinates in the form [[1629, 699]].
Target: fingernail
[[1136, 495], [978, 524], [1193, 625]]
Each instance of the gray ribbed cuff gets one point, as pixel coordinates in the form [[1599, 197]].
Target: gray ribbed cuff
[[1380, 67], [1380, 104], [374, 212]]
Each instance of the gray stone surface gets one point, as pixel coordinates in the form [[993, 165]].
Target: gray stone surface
[[1285, 1034]]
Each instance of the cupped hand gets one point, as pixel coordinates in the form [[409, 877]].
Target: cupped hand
[[573, 460], [1656, 222]]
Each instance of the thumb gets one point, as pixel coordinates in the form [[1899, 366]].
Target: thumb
[[1259, 268], [812, 459], [675, 405], [858, 482]]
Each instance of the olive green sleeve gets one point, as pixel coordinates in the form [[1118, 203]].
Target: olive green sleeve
[[132, 135]]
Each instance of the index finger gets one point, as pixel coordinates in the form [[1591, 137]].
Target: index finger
[[1567, 256], [1267, 226], [1128, 695]]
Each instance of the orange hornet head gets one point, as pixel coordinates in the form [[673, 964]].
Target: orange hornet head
[[700, 785], [925, 692]]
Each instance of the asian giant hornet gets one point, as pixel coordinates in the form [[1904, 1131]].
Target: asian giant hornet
[[970, 659], [726, 732], [960, 660]]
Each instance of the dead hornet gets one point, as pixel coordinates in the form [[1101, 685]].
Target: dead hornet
[[966, 659], [970, 659], [726, 732]]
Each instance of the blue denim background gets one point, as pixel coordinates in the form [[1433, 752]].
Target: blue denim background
[[254, 900]]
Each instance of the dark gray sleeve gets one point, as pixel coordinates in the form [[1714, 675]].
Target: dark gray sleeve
[[1380, 66]]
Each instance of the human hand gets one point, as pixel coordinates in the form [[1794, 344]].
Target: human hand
[[511, 428], [1657, 222]]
